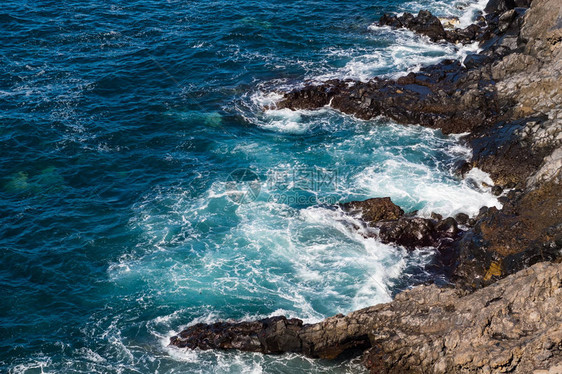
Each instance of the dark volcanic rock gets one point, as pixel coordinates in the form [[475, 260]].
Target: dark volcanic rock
[[449, 96], [424, 23], [514, 326], [462, 218], [270, 335], [501, 152], [504, 241], [429, 25], [409, 232], [444, 96], [374, 210], [415, 232]]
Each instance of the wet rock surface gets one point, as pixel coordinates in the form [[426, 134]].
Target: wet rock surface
[[408, 231], [425, 23], [416, 232], [444, 96], [512, 326], [374, 210]]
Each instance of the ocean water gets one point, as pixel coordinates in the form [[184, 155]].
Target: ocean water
[[148, 181]]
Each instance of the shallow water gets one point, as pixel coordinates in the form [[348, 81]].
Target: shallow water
[[122, 126]]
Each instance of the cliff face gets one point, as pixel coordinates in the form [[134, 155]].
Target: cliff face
[[510, 99]]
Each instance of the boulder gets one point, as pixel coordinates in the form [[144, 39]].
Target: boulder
[[409, 232], [374, 210], [424, 23]]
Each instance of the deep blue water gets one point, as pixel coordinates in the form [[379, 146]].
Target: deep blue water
[[121, 124]]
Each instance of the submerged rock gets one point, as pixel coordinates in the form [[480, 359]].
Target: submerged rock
[[514, 326]]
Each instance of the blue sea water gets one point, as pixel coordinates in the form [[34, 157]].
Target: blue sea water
[[122, 127]]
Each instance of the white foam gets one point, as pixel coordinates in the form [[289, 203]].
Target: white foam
[[285, 120], [471, 11], [39, 363], [412, 185]]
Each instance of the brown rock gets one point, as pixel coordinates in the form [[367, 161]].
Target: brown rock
[[374, 210]]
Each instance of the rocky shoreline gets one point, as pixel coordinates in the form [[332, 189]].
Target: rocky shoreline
[[512, 326], [508, 98]]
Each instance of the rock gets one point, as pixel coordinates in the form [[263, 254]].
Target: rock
[[514, 326], [503, 200], [461, 168], [448, 227], [497, 190], [436, 216], [474, 60], [499, 6], [500, 152], [519, 235], [270, 335], [450, 23], [436, 97], [409, 232], [429, 25], [462, 218], [417, 232], [374, 210], [482, 211], [424, 23]]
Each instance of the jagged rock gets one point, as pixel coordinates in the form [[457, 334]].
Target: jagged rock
[[440, 96], [499, 6], [270, 335], [448, 227], [462, 218], [429, 25], [497, 190], [500, 152], [524, 232], [409, 232], [424, 23], [513, 326], [395, 227], [374, 210]]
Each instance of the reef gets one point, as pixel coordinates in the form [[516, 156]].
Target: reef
[[502, 309]]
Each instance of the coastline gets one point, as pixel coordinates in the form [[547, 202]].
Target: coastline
[[508, 98]]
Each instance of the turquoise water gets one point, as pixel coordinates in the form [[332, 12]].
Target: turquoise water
[[122, 126]]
